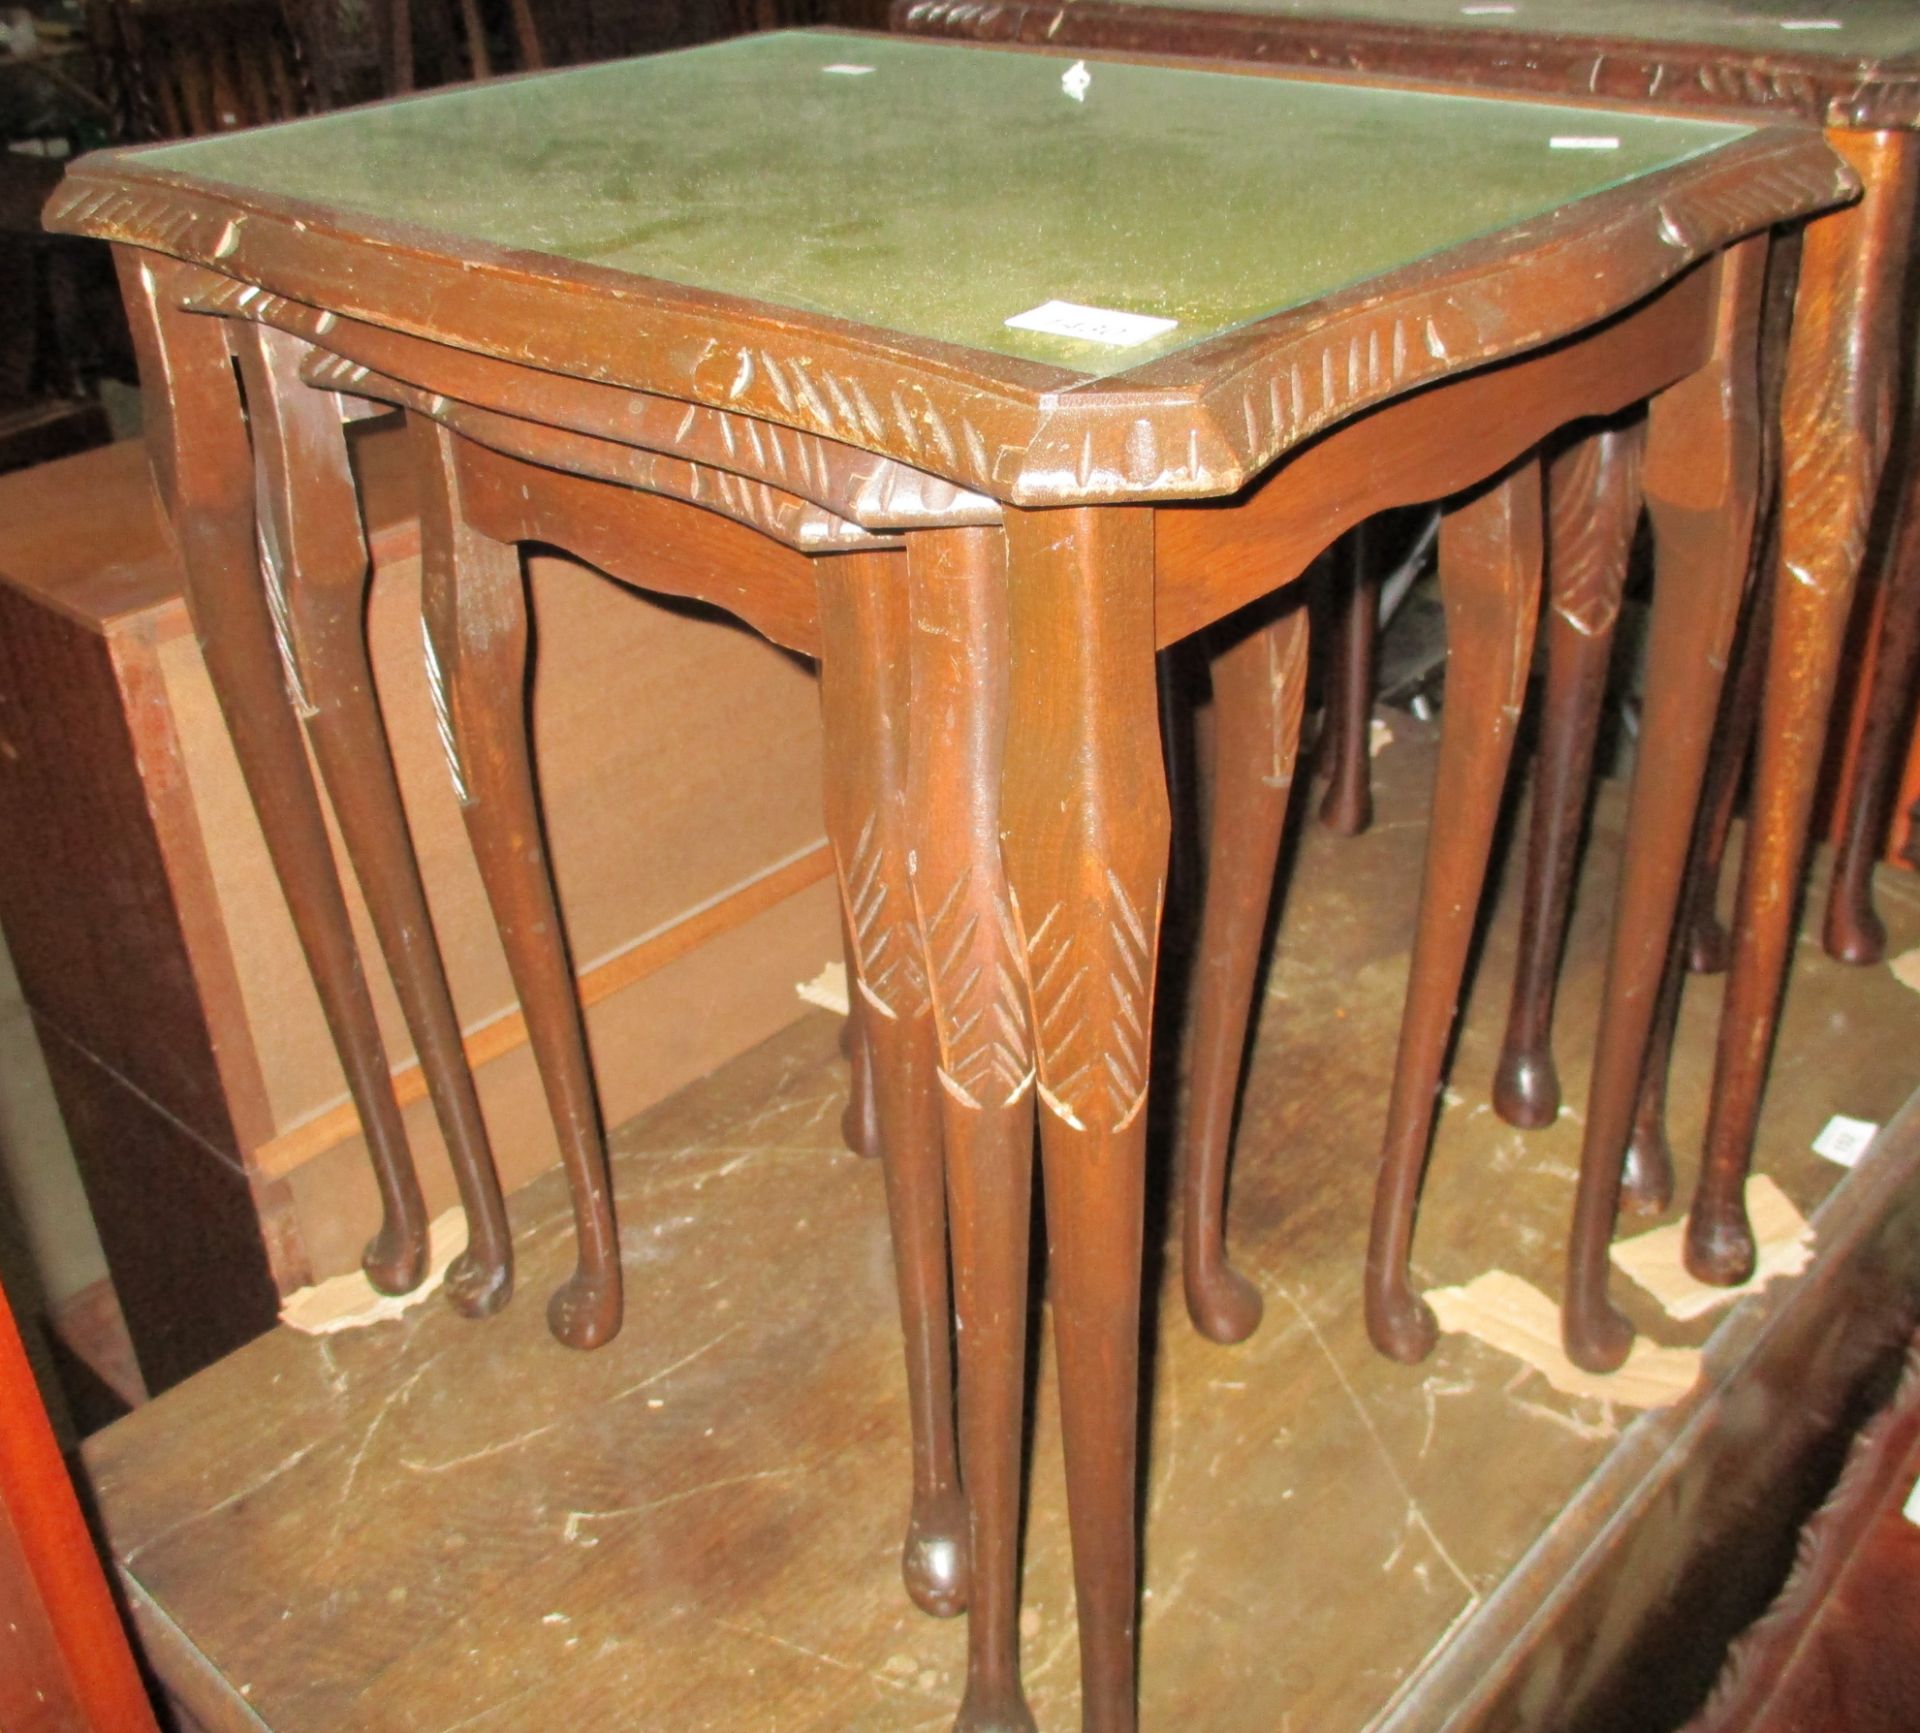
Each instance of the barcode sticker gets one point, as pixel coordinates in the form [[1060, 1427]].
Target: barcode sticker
[[1845, 1140], [1091, 324]]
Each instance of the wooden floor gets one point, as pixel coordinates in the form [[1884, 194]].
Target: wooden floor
[[435, 1526]]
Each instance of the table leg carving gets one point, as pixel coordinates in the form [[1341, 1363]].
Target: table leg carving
[[1259, 683], [1835, 418], [1854, 931], [317, 573], [1490, 559], [1347, 807], [474, 603], [1085, 834], [864, 694], [196, 436], [957, 587], [1702, 475], [1593, 494]]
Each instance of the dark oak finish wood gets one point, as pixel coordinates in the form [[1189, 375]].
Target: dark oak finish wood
[[1836, 417], [1086, 859], [473, 600], [959, 637], [1259, 687], [315, 569], [1347, 807], [866, 639], [204, 473], [1854, 931], [1046, 997], [1490, 561], [1593, 494], [1702, 474]]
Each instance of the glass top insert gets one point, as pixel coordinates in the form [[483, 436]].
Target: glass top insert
[[937, 189], [1850, 31]]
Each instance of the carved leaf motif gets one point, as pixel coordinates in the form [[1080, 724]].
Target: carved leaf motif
[[979, 995], [1588, 562], [1091, 1006], [888, 967]]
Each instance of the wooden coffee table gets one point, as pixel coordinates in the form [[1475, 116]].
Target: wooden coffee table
[[776, 324]]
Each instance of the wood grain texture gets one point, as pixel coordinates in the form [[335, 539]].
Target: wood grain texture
[[1335, 1605]]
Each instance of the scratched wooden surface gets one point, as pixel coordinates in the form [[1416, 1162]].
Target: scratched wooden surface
[[437, 1525]]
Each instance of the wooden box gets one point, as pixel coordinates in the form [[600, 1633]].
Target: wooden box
[[679, 764]]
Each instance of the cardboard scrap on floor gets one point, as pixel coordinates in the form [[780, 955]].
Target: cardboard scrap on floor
[[1783, 1243], [828, 989], [1906, 969], [1513, 1316], [352, 1302]]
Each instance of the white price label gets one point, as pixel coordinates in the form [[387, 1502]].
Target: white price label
[[1845, 1140], [847, 70], [1582, 141], [1091, 324], [1911, 1509]]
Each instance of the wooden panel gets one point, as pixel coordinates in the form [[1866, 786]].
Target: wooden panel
[[178, 1221], [84, 891]]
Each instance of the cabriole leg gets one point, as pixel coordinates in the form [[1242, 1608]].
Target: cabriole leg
[[1490, 557], [1593, 494], [1085, 831], [203, 470], [957, 583], [1259, 682], [474, 602], [317, 573], [1834, 419], [1702, 472], [864, 691]]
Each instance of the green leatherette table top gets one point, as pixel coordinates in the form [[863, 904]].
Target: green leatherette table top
[[939, 189], [1862, 32]]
